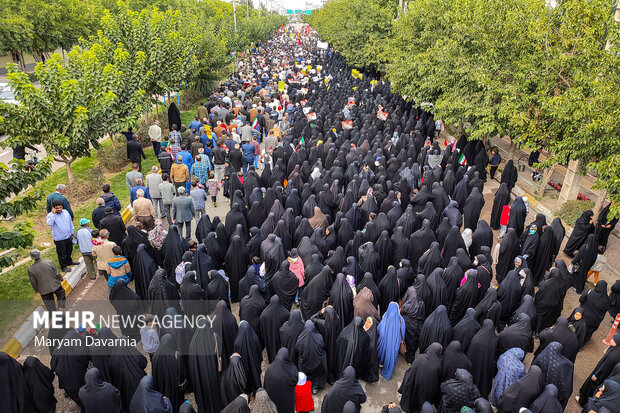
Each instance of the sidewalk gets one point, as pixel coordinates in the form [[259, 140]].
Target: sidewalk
[[547, 204]]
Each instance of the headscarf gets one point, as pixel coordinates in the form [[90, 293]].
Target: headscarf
[[391, 331], [510, 368], [157, 235]]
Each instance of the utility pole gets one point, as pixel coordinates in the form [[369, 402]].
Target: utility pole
[[247, 9], [235, 14], [235, 20]]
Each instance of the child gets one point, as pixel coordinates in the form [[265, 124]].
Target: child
[[503, 221], [213, 188], [256, 264], [149, 337], [598, 265], [85, 242], [303, 394], [180, 269], [118, 267]]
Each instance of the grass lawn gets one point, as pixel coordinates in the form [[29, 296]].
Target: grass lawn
[[17, 299], [188, 116]]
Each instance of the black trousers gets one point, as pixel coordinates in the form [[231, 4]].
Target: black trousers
[[63, 250], [48, 299]]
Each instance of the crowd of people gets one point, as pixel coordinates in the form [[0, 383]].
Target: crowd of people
[[360, 242]]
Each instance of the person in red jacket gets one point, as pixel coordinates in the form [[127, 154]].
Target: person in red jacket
[[303, 394], [503, 221]]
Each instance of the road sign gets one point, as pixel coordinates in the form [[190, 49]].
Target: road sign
[[289, 12], [308, 12]]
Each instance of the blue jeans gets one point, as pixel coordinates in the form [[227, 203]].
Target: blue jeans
[[256, 158]]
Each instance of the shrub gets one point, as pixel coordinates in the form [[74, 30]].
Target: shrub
[[84, 188], [572, 210], [114, 159], [190, 99]]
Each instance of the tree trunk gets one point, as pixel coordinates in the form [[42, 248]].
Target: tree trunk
[[512, 149], [599, 205], [20, 61], [68, 163], [157, 107], [113, 139], [546, 176]]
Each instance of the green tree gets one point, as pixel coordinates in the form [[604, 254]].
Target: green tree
[[15, 178], [70, 110], [40, 26], [358, 29]]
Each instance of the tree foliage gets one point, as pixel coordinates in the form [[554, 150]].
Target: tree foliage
[[37, 26], [358, 29], [544, 76]]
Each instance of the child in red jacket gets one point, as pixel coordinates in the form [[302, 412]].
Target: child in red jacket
[[303, 394], [503, 221]]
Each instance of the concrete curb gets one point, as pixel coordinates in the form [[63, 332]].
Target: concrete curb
[[26, 332], [539, 208]]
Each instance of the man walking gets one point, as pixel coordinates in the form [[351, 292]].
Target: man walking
[[155, 135], [59, 195], [135, 153], [199, 196], [175, 141], [115, 225], [165, 161], [143, 210], [98, 213], [200, 170], [131, 176], [133, 191], [179, 174], [167, 190], [62, 232], [47, 281], [183, 212], [219, 158], [248, 156], [152, 184], [110, 199]]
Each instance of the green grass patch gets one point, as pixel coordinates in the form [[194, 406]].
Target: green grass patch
[[188, 116], [17, 298], [572, 210]]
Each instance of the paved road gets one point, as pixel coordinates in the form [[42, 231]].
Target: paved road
[[93, 295]]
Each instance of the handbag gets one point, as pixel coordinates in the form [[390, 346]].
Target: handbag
[[403, 348]]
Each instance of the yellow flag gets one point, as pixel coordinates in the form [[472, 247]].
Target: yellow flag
[[281, 86]]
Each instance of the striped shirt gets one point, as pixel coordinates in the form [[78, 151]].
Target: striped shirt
[[200, 171], [212, 187], [176, 146]]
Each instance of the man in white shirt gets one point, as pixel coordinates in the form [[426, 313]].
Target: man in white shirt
[[155, 135]]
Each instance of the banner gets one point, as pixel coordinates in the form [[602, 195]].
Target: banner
[[347, 124], [382, 115], [322, 45], [281, 86], [311, 116]]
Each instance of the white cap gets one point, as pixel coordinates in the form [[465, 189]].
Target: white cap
[[301, 380]]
